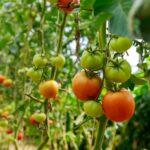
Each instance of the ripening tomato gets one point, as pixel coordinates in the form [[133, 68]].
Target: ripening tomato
[[121, 44], [20, 136], [8, 83], [2, 78], [118, 71], [39, 117], [93, 109], [66, 5], [49, 89], [9, 131], [118, 106], [32, 120], [86, 88], [92, 61]]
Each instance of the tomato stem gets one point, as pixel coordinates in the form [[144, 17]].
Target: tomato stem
[[100, 132]]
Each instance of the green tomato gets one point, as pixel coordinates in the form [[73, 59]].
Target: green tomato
[[118, 71], [58, 61], [121, 44], [39, 61], [34, 75], [39, 117], [92, 61], [3, 123], [93, 109]]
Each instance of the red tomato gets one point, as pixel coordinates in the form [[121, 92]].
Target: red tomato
[[49, 89], [20, 136], [9, 131], [65, 5], [32, 121], [2, 78], [118, 106], [86, 88]]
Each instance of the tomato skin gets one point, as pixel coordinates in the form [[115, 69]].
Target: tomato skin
[[20, 136], [32, 120], [118, 106], [39, 117], [39, 61], [121, 44], [2, 78], [8, 83], [118, 74], [93, 109], [91, 61], [49, 89], [58, 61], [9, 131], [86, 88], [64, 5]]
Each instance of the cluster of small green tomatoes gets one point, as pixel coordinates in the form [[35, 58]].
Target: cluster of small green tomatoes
[[117, 104]]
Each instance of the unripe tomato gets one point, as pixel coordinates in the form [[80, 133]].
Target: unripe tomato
[[8, 83], [66, 5], [58, 61], [86, 88], [9, 131], [3, 123], [121, 44], [2, 78], [92, 61], [32, 120], [118, 106], [39, 117], [35, 75], [118, 71], [39, 61], [49, 89], [93, 109], [20, 136]]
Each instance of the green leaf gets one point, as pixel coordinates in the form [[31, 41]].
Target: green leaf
[[87, 4]]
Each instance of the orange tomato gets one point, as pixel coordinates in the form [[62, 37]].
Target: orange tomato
[[2, 78], [49, 89], [32, 121], [20, 136], [8, 83], [86, 88], [65, 5], [118, 106]]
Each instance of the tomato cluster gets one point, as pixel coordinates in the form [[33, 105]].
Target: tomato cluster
[[118, 104], [6, 81]]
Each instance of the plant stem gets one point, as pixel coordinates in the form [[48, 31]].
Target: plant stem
[[61, 34], [43, 143], [100, 132]]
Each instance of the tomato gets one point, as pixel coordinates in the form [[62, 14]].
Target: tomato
[[39, 117], [8, 83], [66, 5], [118, 71], [86, 88], [3, 123], [20, 136], [2, 78], [9, 131], [39, 61], [93, 109], [49, 89], [35, 75], [92, 61], [118, 106], [121, 44], [32, 120], [58, 61]]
